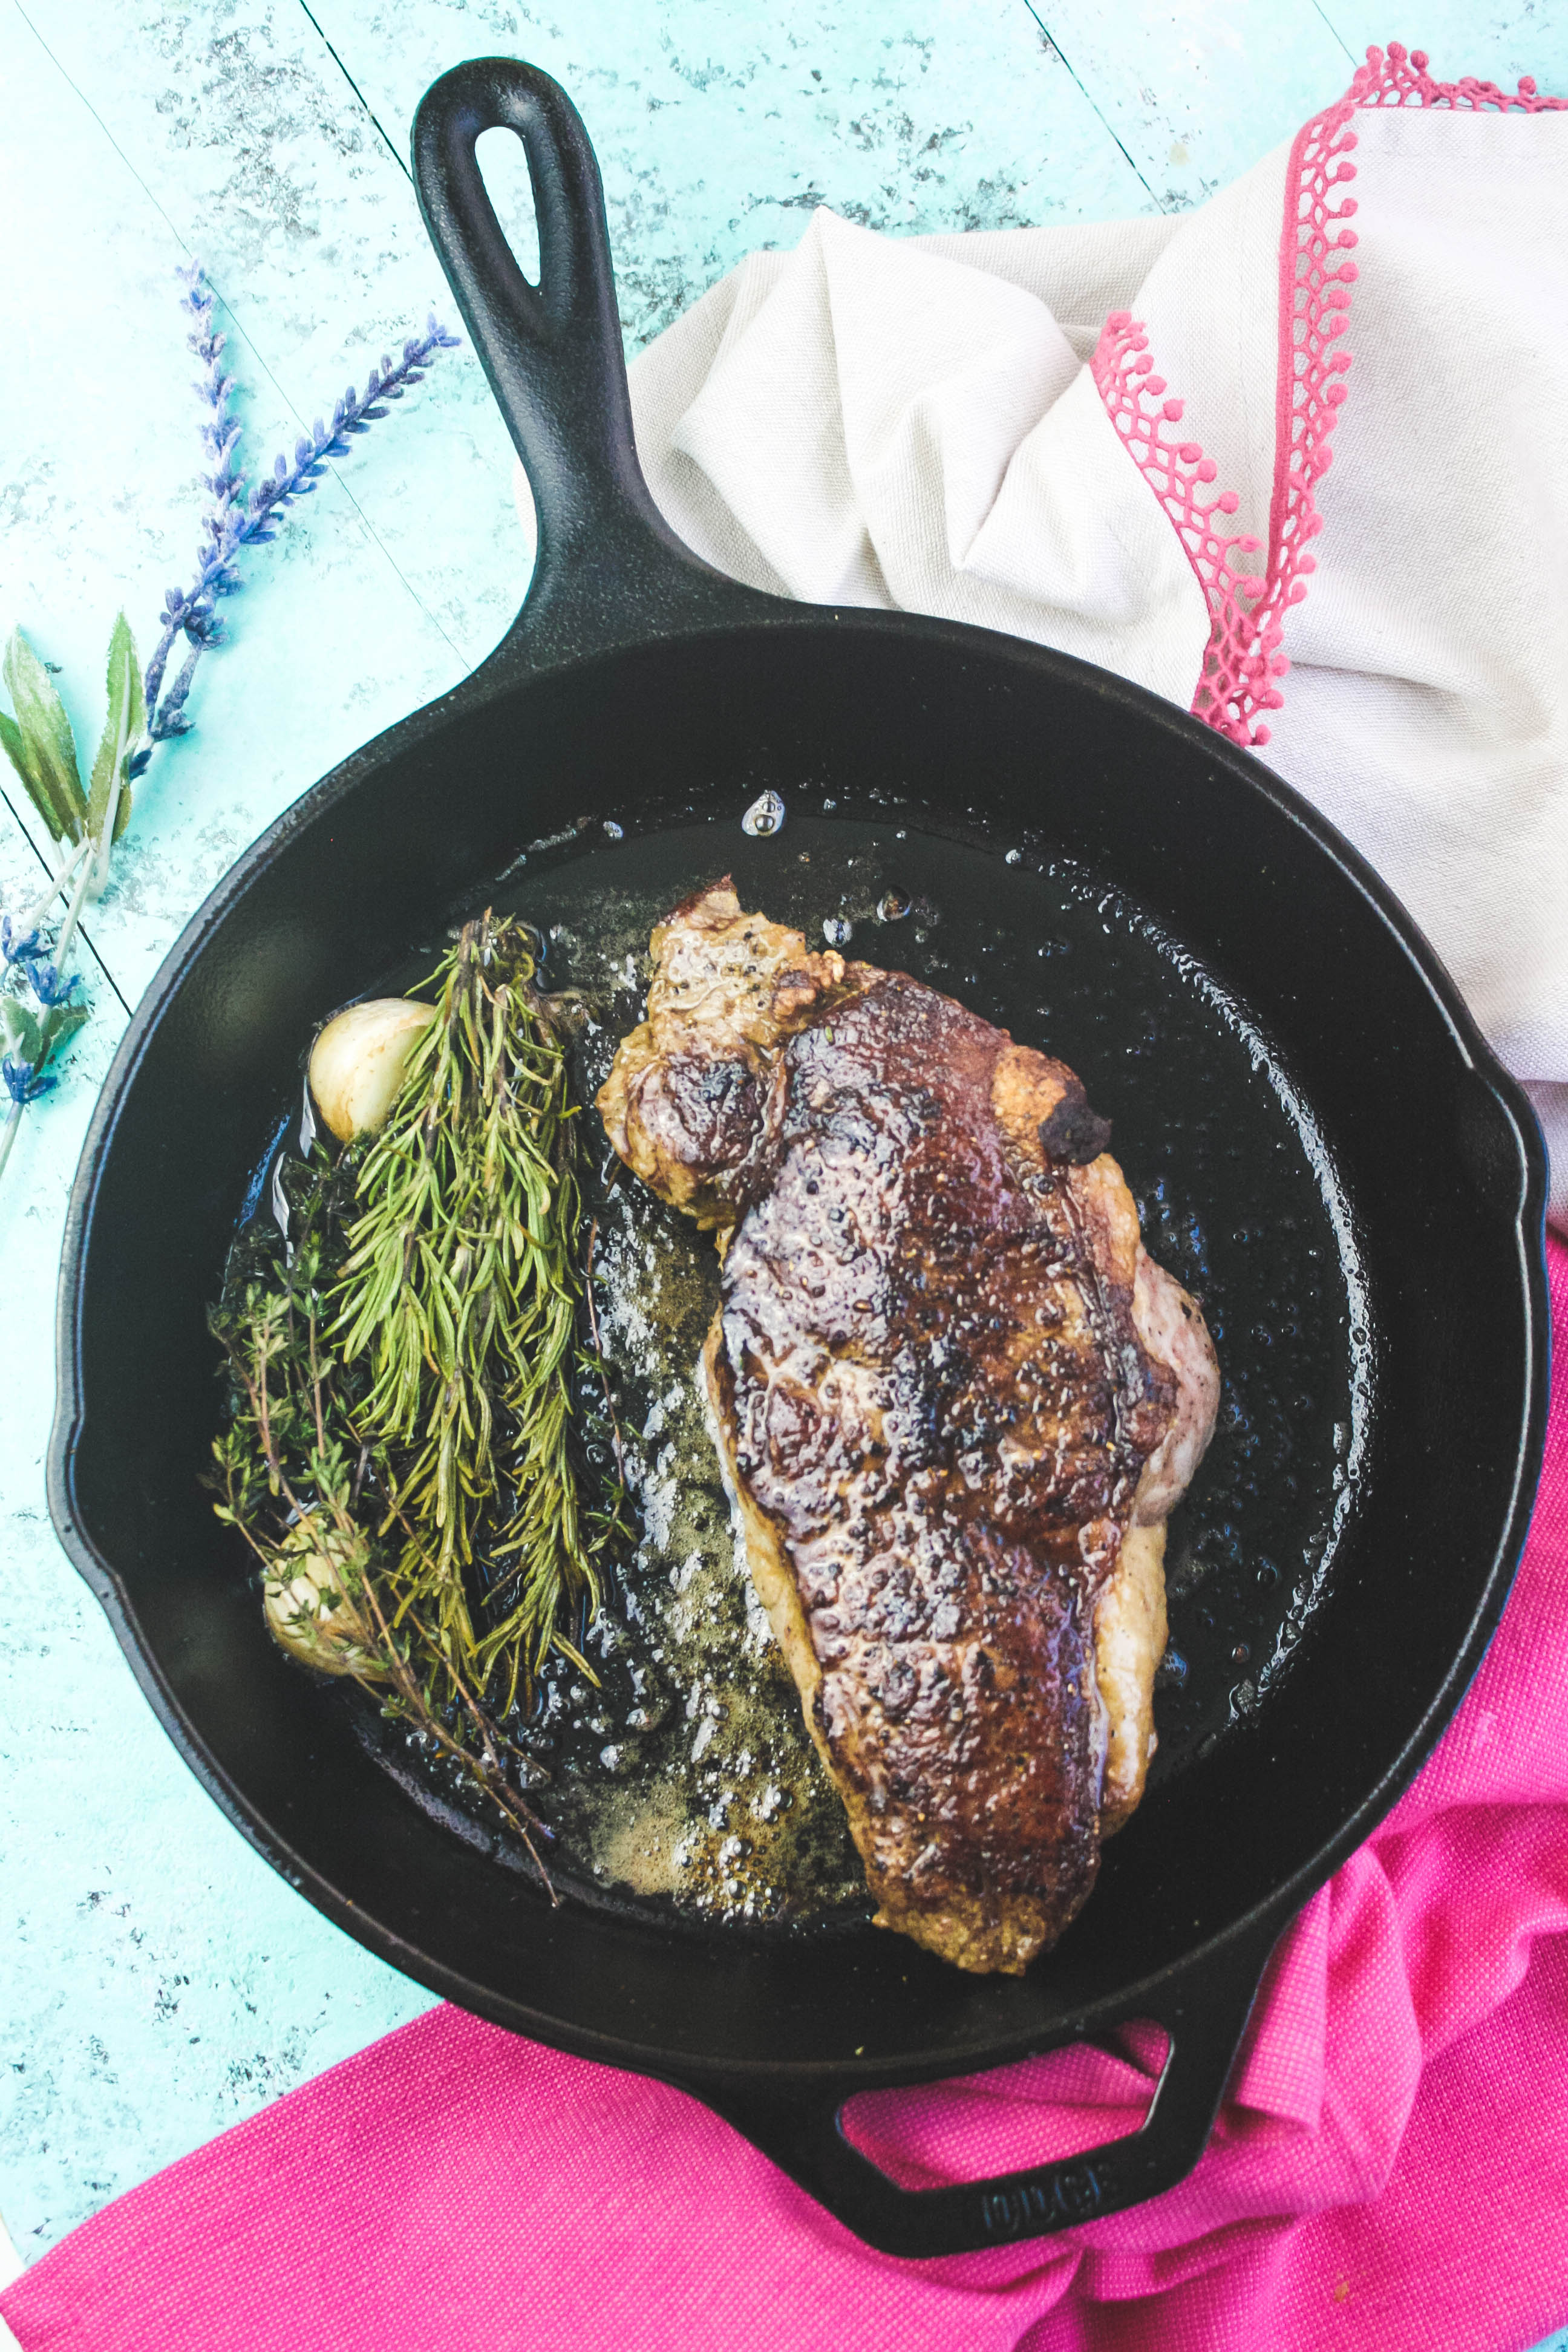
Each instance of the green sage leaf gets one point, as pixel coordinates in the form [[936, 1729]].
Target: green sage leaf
[[15, 745], [21, 1034], [40, 744], [122, 731], [59, 1025]]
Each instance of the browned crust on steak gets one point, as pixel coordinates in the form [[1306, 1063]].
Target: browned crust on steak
[[934, 1407], [687, 1103]]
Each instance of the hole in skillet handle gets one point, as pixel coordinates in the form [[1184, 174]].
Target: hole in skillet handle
[[1069, 2102], [504, 168], [1203, 2005], [509, 184], [609, 569]]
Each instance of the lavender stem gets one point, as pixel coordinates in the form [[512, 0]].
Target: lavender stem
[[73, 915], [98, 872], [153, 684], [35, 914]]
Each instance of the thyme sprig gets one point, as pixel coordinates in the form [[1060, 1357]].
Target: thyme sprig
[[290, 1448], [402, 1457]]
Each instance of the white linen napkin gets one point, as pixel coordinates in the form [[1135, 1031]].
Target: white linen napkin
[[1113, 440]]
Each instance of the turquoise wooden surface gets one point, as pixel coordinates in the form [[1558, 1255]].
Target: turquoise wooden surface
[[157, 1983]]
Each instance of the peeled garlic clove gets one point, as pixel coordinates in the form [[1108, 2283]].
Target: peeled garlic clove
[[358, 1061], [306, 1602]]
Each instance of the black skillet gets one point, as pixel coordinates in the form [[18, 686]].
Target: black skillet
[[636, 678]]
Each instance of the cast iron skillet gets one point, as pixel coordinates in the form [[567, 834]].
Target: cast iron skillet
[[635, 668]]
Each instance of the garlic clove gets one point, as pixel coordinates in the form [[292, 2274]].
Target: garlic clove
[[307, 1605], [358, 1062]]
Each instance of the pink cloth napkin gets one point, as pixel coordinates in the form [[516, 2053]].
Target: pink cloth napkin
[[1390, 2169]]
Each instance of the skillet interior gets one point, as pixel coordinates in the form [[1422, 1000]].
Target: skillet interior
[[1430, 1153], [716, 1809]]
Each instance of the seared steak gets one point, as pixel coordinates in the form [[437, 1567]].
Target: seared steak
[[954, 1400]]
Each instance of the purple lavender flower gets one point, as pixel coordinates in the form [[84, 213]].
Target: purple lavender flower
[[231, 520], [353, 413], [48, 984], [23, 1083], [25, 951], [16, 946]]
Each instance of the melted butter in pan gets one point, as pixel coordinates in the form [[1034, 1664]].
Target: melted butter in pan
[[688, 1774], [687, 1779]]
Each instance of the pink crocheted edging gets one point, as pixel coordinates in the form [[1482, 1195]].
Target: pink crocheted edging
[[1243, 661]]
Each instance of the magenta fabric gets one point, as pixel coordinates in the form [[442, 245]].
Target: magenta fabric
[[1389, 2171]]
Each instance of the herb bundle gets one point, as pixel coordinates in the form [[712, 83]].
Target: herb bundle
[[402, 1457]]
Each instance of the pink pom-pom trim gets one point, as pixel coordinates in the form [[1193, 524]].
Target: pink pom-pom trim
[[1246, 606]]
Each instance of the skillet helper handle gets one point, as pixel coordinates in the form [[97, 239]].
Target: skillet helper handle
[[608, 565], [1205, 2011]]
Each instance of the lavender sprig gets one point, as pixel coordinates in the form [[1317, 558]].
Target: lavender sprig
[[232, 520], [39, 1010], [224, 481]]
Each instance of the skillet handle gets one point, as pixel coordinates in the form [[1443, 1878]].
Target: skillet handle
[[1204, 2008], [609, 569]]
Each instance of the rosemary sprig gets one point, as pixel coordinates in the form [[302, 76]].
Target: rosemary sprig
[[402, 1457], [460, 1294]]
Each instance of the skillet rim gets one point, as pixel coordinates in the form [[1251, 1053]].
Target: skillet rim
[[507, 672]]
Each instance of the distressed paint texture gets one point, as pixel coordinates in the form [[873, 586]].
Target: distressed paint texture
[[157, 1981], [1196, 95], [717, 129], [1499, 43]]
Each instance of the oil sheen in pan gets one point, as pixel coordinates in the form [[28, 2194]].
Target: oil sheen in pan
[[685, 1784]]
